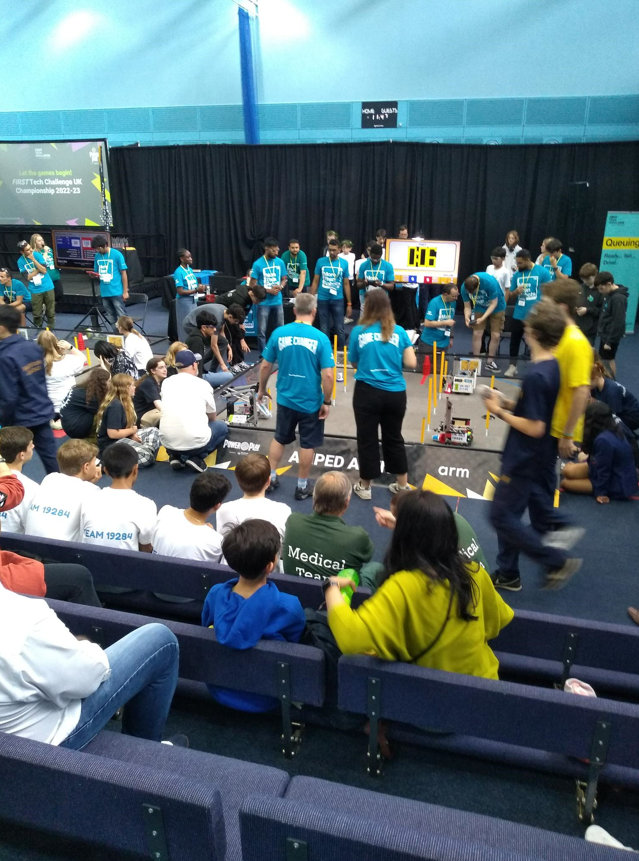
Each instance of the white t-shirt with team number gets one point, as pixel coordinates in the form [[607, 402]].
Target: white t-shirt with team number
[[176, 536], [118, 518], [55, 509], [258, 508], [14, 520]]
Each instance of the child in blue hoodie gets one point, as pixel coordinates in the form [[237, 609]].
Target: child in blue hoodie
[[249, 608]]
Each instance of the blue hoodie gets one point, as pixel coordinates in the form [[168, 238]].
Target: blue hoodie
[[24, 399], [612, 467], [240, 623]]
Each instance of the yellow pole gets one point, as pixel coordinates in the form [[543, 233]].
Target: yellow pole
[[434, 374], [423, 430], [492, 386], [345, 368], [441, 371], [88, 357], [75, 341], [334, 368], [430, 398]]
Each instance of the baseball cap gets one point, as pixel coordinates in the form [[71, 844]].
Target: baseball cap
[[186, 358]]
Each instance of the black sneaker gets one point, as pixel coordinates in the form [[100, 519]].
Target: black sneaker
[[558, 578], [197, 464], [275, 483], [176, 464], [509, 584], [304, 492], [492, 366]]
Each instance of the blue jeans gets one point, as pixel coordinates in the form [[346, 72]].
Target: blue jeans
[[264, 313], [144, 672], [219, 432], [113, 307], [331, 316], [44, 443], [217, 378]]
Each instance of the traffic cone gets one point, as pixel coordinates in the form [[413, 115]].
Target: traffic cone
[[81, 344]]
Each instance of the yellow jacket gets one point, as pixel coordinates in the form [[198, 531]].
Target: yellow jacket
[[406, 614]]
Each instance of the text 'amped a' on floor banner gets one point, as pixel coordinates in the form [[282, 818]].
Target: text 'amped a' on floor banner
[[448, 471]]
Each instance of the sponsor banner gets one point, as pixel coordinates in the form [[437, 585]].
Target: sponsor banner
[[620, 255]]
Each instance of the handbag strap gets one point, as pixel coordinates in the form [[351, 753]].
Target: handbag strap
[[441, 631]]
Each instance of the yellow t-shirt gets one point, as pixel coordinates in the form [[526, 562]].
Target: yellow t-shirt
[[575, 358], [403, 617]]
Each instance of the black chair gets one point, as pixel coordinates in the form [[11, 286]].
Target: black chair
[[138, 299]]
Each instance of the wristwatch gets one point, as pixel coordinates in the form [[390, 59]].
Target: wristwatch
[[328, 403], [326, 585]]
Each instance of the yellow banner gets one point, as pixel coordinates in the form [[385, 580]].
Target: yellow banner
[[620, 242]]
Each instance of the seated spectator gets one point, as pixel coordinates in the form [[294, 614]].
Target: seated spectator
[[169, 359], [320, 544], [249, 608], [15, 293], [114, 359], [253, 474], [212, 348], [55, 508], [117, 516], [16, 448], [116, 421], [188, 426], [62, 362], [147, 402], [433, 609], [80, 407], [186, 533], [135, 344], [67, 689], [609, 472], [622, 403]]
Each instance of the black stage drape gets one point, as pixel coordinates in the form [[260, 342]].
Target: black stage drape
[[221, 201]]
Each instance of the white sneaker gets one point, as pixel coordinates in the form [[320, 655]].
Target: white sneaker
[[512, 371], [596, 834], [492, 366], [396, 487], [340, 376], [348, 320], [563, 539], [361, 491]]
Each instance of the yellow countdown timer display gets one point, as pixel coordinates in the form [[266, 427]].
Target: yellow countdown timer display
[[422, 257]]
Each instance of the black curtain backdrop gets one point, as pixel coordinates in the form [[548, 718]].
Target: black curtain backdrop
[[222, 201]]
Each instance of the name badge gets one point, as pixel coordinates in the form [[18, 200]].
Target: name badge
[[37, 279]]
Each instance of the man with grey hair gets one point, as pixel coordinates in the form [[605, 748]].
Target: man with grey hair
[[320, 545], [304, 386]]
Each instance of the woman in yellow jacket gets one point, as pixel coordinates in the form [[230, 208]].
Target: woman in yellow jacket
[[433, 609]]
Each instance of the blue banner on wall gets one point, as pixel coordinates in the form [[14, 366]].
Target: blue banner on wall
[[620, 255]]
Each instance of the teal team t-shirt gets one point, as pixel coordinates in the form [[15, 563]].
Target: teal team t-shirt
[[14, 290], [269, 273], [382, 271], [379, 363], [564, 263], [438, 310], [42, 283], [109, 267], [531, 281], [301, 352], [332, 274], [488, 290], [185, 278], [294, 267]]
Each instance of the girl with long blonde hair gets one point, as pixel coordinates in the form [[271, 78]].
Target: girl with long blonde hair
[[116, 422], [169, 359], [38, 244], [135, 344], [378, 349], [62, 362]]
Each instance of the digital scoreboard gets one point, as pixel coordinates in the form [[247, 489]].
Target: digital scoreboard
[[424, 261]]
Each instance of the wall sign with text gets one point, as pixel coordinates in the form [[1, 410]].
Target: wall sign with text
[[379, 115]]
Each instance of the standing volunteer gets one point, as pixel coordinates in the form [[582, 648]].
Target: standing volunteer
[[38, 244], [526, 286], [270, 273], [484, 301], [377, 349], [40, 284], [186, 288], [331, 284], [109, 266]]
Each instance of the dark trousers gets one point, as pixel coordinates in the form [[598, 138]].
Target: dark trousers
[[513, 495], [72, 583], [376, 408], [44, 443], [516, 335]]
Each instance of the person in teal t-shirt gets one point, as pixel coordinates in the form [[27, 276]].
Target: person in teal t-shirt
[[440, 319], [38, 244], [40, 284], [186, 289], [14, 293], [526, 285], [331, 284], [375, 272], [296, 269], [558, 264], [109, 266], [378, 349], [304, 386], [484, 301], [270, 273]]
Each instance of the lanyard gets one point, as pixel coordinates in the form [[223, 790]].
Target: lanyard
[[339, 267], [526, 280], [292, 262], [107, 256], [450, 312], [376, 271]]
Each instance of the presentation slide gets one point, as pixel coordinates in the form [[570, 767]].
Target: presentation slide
[[54, 183], [424, 261]]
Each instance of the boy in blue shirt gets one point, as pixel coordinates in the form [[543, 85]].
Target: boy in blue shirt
[[440, 319], [558, 264], [15, 294], [109, 266], [40, 284], [270, 273], [526, 286], [528, 463], [484, 301], [249, 608], [375, 272], [331, 284]]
